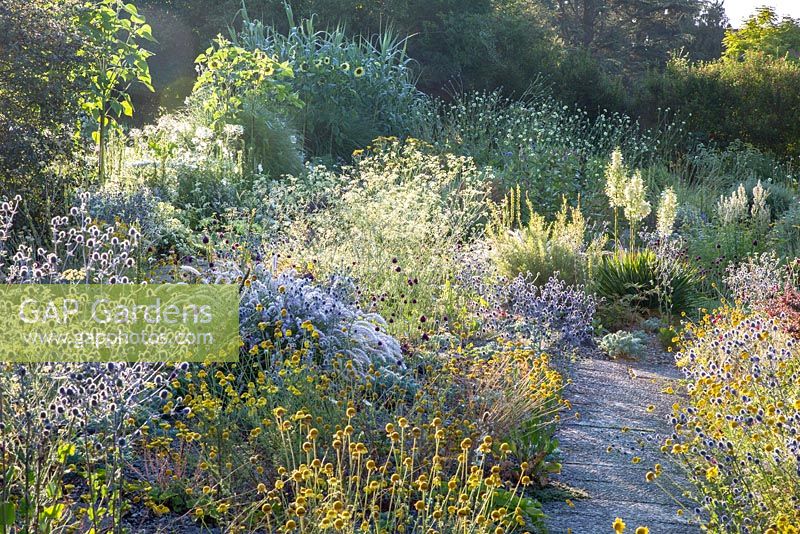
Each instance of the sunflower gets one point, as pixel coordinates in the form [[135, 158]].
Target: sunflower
[[345, 66], [358, 72], [318, 63], [303, 67], [326, 60]]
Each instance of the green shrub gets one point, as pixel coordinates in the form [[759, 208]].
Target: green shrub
[[539, 247], [274, 146], [485, 46], [780, 197], [646, 283], [785, 233], [39, 114], [755, 99]]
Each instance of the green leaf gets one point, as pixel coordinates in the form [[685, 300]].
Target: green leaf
[[146, 32], [127, 108], [54, 512], [8, 513]]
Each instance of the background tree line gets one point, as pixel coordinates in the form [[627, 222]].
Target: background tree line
[[638, 57]]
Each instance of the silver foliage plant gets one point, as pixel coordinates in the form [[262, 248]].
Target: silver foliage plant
[[43, 405], [757, 280], [289, 299], [82, 251], [556, 316]]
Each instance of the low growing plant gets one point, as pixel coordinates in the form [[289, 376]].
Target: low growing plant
[[634, 277], [622, 344]]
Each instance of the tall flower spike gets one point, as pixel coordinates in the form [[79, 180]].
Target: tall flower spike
[[667, 210], [733, 208], [636, 205], [760, 210], [616, 177]]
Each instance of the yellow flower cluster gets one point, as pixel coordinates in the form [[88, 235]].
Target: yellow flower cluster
[[739, 431]]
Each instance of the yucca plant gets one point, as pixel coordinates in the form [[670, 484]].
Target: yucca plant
[[638, 277]]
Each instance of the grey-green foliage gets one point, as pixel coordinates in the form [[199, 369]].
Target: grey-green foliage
[[786, 233], [622, 343], [355, 89]]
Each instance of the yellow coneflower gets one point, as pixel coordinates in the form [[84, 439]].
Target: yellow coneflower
[[345, 66], [358, 72], [326, 60]]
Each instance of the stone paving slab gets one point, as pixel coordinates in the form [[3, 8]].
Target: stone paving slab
[[610, 395]]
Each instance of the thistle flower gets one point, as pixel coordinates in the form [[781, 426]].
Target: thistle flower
[[616, 177], [636, 206], [665, 215]]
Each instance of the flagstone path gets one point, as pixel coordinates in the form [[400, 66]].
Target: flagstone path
[[609, 396]]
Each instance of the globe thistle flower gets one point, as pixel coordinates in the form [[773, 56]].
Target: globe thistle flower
[[665, 215]]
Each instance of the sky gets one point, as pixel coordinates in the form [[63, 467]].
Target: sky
[[739, 10]]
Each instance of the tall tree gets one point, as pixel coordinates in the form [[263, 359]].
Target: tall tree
[[634, 34], [764, 33], [38, 111], [707, 32]]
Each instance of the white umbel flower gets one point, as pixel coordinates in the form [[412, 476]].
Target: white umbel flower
[[666, 212]]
